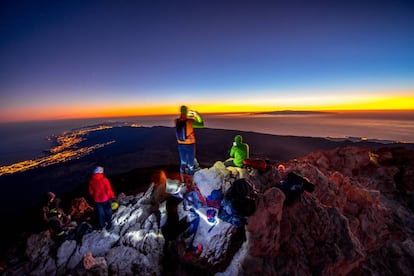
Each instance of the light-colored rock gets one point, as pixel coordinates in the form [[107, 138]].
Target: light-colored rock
[[352, 223]]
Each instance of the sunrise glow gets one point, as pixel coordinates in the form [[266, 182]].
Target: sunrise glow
[[320, 103], [285, 57]]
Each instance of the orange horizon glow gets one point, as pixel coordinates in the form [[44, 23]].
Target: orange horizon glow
[[326, 103]]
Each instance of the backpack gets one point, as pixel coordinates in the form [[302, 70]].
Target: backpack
[[228, 214], [242, 196], [214, 199], [293, 186], [181, 130], [259, 164]]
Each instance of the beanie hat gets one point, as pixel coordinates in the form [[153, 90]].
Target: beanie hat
[[98, 170], [238, 139]]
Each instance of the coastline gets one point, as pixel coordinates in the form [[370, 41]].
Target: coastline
[[34, 139], [146, 147], [130, 162]]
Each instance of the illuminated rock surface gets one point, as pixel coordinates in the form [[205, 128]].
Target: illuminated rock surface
[[359, 221]]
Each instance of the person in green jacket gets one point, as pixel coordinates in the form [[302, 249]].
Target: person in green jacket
[[238, 153]]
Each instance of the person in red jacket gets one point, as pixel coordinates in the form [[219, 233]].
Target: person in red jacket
[[100, 190]]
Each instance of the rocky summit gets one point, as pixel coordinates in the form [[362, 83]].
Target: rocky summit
[[358, 220]]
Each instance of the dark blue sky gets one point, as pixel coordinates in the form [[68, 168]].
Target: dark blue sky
[[62, 59]]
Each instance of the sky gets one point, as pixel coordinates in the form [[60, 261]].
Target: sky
[[76, 59]]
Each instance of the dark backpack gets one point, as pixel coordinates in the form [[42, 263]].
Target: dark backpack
[[242, 196], [293, 186], [181, 130], [228, 214]]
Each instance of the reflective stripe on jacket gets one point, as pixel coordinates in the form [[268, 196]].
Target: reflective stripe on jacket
[[54, 212]]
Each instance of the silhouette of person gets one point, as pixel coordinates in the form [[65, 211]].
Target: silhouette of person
[[52, 209], [58, 223], [181, 229], [238, 153], [186, 139], [100, 190]]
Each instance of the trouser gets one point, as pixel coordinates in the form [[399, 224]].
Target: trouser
[[104, 213], [187, 156]]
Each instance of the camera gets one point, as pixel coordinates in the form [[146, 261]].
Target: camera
[[190, 113]]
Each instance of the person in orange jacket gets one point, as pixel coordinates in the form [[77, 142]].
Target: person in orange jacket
[[186, 140], [100, 190]]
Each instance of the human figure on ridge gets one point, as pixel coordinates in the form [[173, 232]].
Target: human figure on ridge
[[179, 226], [177, 232], [58, 223], [238, 153], [100, 190], [52, 209], [291, 183], [281, 172], [186, 139]]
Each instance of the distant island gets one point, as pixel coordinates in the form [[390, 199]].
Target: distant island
[[292, 112]]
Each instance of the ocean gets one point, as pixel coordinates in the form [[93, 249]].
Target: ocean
[[31, 140], [58, 156]]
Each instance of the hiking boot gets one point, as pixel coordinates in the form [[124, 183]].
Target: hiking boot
[[108, 227]]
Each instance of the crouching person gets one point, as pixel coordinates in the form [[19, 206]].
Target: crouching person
[[292, 184], [181, 230], [57, 232], [179, 234], [60, 233]]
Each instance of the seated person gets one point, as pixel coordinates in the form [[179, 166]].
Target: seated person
[[59, 232], [52, 209], [281, 173], [238, 153], [56, 230], [292, 184], [56, 220], [176, 228]]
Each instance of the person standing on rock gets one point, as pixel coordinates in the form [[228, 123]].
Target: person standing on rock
[[100, 190], [186, 139]]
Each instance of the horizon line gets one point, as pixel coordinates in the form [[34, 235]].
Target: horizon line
[[269, 112]]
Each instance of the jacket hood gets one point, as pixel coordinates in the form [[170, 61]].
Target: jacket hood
[[238, 139]]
